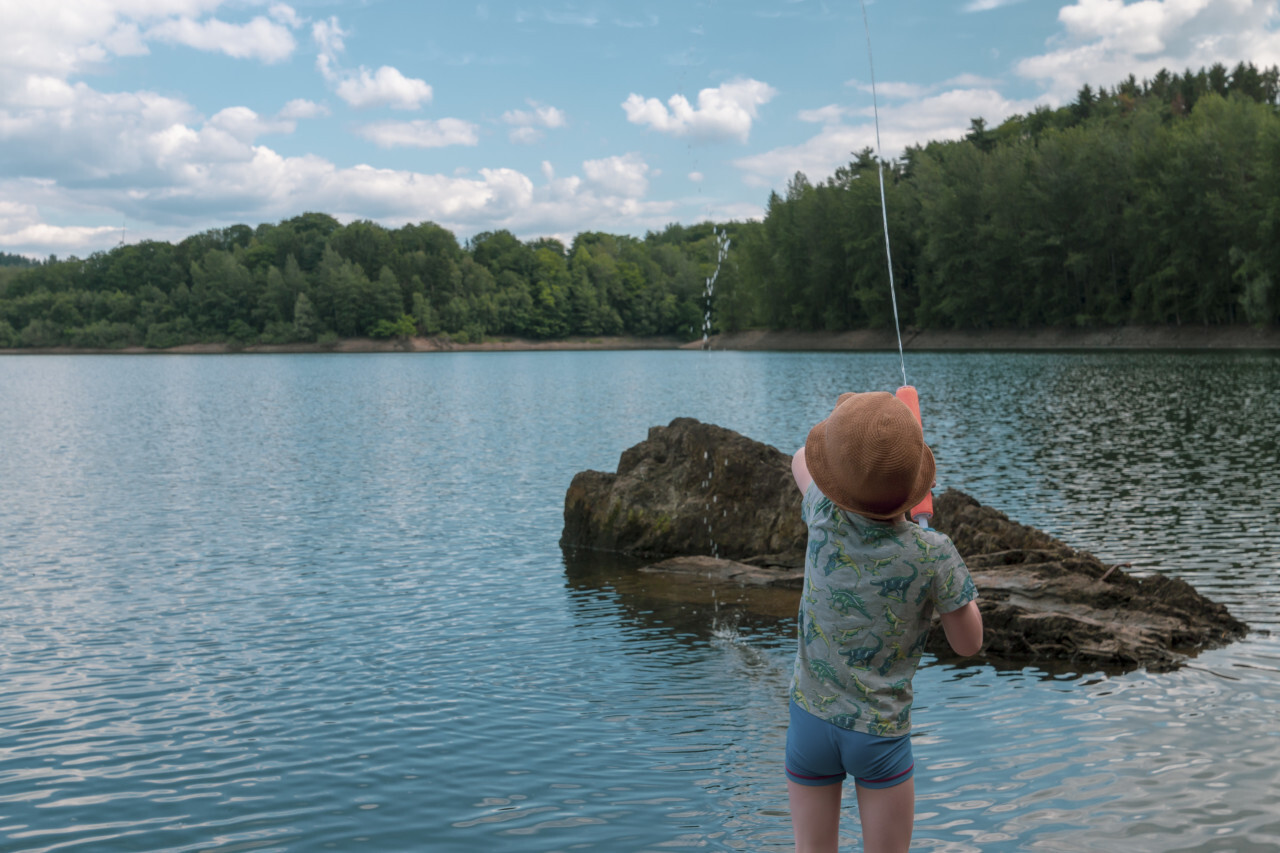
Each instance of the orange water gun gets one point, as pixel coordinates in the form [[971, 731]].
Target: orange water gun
[[922, 512]]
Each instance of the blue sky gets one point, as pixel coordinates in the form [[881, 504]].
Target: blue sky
[[168, 117]]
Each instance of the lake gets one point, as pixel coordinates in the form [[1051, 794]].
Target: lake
[[311, 602]]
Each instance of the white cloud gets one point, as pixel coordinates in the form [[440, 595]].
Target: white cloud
[[623, 176], [69, 36], [822, 115], [41, 92], [97, 157], [697, 177], [1107, 40], [301, 108], [385, 86], [190, 177], [362, 87], [730, 212], [328, 37], [126, 40], [21, 226], [422, 133], [970, 81], [890, 89], [987, 5], [525, 135], [286, 15], [77, 133], [529, 123], [560, 189], [244, 125], [541, 115], [260, 38], [725, 112], [946, 115]]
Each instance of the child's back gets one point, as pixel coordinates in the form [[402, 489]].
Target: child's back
[[870, 588]]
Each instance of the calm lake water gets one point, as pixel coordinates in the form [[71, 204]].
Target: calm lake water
[[317, 602]]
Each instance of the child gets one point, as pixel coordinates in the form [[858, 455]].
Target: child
[[872, 581]]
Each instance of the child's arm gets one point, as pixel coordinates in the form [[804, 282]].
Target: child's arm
[[963, 628], [800, 471]]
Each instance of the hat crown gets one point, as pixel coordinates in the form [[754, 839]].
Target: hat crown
[[869, 455]]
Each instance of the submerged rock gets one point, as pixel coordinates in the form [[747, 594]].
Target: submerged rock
[[715, 570], [717, 508]]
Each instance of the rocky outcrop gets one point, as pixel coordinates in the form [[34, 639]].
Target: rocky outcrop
[[1042, 600], [714, 507], [690, 488]]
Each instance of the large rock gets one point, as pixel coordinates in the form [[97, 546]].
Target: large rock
[[1041, 599], [690, 488], [694, 494]]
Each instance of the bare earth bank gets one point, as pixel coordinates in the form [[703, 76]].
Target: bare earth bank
[[1127, 337]]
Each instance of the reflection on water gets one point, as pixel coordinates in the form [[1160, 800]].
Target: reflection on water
[[300, 603]]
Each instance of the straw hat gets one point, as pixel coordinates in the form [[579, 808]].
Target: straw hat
[[869, 456]]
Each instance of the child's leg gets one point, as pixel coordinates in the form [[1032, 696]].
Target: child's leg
[[815, 817], [888, 815]]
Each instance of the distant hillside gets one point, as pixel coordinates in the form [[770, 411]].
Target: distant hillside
[[1149, 204]]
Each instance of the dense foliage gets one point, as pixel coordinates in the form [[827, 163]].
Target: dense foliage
[[1153, 203], [8, 260], [310, 278]]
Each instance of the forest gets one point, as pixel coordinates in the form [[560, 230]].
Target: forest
[[1153, 203]]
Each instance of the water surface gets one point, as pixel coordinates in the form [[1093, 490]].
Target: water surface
[[317, 602]]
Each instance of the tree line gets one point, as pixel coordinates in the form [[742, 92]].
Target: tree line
[[310, 278], [1149, 203], [1153, 202]]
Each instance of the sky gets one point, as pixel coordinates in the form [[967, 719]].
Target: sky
[[128, 120]]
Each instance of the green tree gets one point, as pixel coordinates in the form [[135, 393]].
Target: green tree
[[381, 302], [403, 328], [222, 291], [364, 243], [424, 316], [304, 237], [306, 322], [550, 295], [339, 288]]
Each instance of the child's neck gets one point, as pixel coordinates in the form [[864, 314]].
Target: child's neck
[[891, 521]]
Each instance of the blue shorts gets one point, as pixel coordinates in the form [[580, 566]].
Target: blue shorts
[[821, 753]]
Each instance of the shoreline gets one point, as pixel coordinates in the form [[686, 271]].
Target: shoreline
[[942, 340], [862, 340]]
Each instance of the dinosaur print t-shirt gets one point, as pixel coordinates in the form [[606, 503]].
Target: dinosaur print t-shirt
[[870, 589]]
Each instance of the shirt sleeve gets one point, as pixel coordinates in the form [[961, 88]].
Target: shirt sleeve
[[953, 587], [811, 496]]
